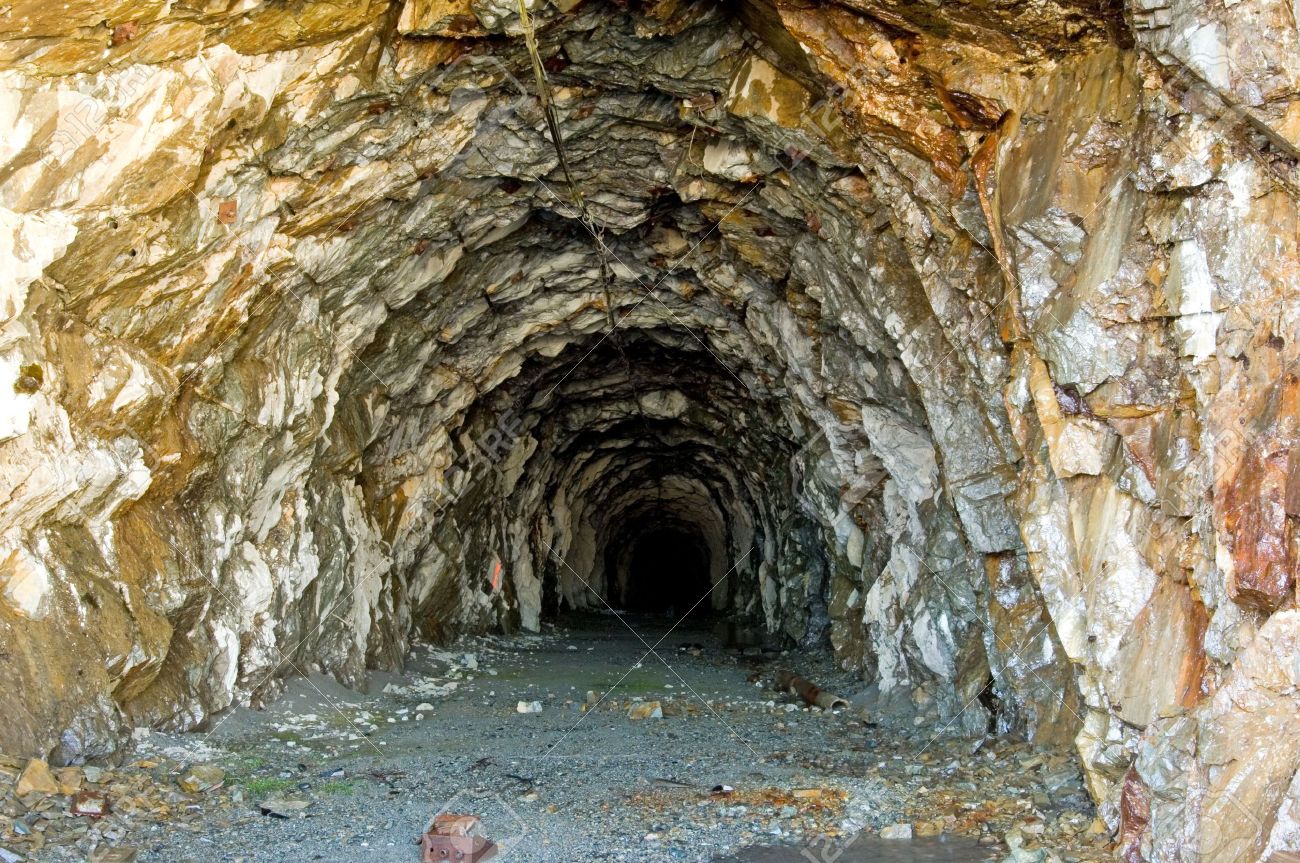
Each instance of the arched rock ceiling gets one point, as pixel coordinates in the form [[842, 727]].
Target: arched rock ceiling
[[941, 322]]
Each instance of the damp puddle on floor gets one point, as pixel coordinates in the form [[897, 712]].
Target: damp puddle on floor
[[864, 848]]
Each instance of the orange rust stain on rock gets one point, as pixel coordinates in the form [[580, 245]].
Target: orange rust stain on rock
[[124, 33], [1257, 505], [1191, 672], [1134, 817], [884, 97]]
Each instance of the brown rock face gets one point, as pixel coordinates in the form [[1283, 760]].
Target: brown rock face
[[1026, 652], [1161, 663], [1263, 503], [36, 778], [962, 336]]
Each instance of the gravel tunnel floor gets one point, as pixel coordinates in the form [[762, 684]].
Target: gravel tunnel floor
[[730, 769]]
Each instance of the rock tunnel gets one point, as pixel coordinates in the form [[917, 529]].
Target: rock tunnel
[[956, 339]]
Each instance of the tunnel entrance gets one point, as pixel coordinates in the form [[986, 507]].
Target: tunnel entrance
[[718, 315], [668, 572]]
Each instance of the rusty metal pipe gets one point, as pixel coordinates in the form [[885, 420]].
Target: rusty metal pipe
[[811, 693]]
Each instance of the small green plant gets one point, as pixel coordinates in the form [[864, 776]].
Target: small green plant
[[267, 785], [241, 767], [337, 786]]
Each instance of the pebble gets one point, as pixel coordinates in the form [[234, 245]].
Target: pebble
[[69, 779], [528, 707], [897, 831]]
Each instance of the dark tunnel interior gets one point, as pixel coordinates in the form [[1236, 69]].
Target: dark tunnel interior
[[669, 572]]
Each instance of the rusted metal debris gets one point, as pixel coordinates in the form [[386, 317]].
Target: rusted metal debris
[[90, 803], [455, 837], [788, 681]]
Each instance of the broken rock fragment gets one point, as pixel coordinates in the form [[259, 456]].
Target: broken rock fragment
[[201, 777], [283, 807], [36, 778], [454, 836], [646, 710]]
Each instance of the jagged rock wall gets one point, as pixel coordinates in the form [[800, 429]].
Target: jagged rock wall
[[987, 370]]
